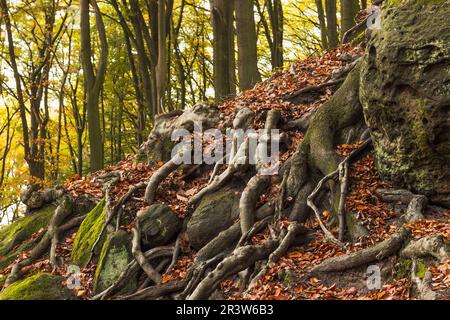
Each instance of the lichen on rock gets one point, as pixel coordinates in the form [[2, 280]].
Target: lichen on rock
[[158, 224], [405, 92], [114, 258], [215, 213], [87, 234]]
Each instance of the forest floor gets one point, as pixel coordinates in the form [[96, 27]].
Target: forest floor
[[290, 277]]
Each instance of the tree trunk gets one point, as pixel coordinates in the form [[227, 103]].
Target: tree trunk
[[322, 24], [330, 7], [93, 82], [222, 21], [247, 50], [349, 10]]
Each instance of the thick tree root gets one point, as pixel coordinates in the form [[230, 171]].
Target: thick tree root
[[241, 259], [430, 246], [374, 253]]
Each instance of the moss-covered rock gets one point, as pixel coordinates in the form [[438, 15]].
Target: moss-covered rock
[[158, 224], [87, 234], [405, 91], [115, 256], [41, 286], [215, 213], [404, 267], [23, 228]]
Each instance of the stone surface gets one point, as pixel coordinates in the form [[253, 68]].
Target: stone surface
[[215, 213], [115, 256], [159, 225], [405, 91]]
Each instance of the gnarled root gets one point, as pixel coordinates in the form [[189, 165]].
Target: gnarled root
[[241, 259], [374, 253]]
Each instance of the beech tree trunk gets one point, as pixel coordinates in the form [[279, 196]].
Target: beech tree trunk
[[246, 39], [330, 7], [222, 22], [349, 10], [93, 82]]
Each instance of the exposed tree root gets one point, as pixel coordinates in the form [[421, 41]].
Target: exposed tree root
[[374, 253], [240, 259], [294, 229], [428, 246], [415, 209], [140, 257], [61, 213], [131, 271]]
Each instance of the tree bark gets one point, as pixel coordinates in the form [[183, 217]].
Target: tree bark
[[222, 22], [93, 82], [349, 10], [330, 7], [246, 39], [322, 24]]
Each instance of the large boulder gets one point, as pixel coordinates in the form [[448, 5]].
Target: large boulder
[[405, 92], [215, 213], [87, 235], [15, 237], [41, 286], [159, 145], [158, 224], [115, 256]]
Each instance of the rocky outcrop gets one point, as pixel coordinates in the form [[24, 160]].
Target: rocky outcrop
[[405, 91], [158, 224], [115, 256], [215, 213], [41, 286], [159, 144]]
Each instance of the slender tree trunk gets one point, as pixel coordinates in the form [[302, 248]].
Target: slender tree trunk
[[363, 4], [349, 10], [330, 7], [247, 50], [322, 24], [93, 82], [222, 21], [161, 67]]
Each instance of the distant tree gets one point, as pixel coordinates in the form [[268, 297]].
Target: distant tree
[[332, 26], [246, 39], [93, 81], [349, 10]]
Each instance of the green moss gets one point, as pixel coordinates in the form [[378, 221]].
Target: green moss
[[114, 258], [23, 228], [395, 3], [87, 234], [403, 269], [41, 286], [2, 281]]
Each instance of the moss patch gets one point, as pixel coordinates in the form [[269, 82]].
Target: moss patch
[[403, 269], [87, 234], [41, 286], [23, 228], [395, 3]]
